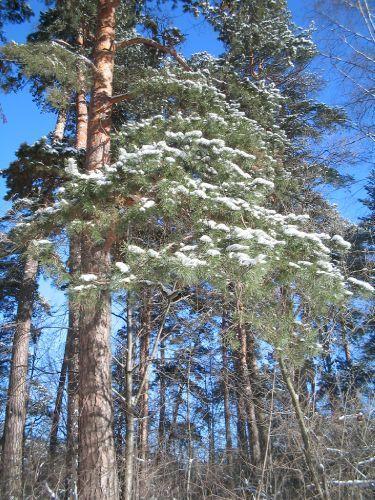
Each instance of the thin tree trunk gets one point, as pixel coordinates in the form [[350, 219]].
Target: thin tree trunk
[[162, 402], [255, 444], [309, 456], [73, 377], [97, 474], [11, 466], [226, 396], [143, 399], [74, 313], [257, 389], [143, 372], [241, 429], [58, 136], [53, 441], [129, 436], [173, 425], [58, 133]]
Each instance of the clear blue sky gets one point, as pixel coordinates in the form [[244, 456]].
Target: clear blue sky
[[25, 122]]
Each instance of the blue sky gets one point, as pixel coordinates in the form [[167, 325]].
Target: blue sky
[[25, 122]]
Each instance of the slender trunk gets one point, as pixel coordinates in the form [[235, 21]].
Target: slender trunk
[[226, 396], [74, 314], [255, 444], [97, 475], [210, 418], [345, 345], [242, 442], [173, 425], [129, 436], [143, 398], [332, 387], [257, 389], [188, 421], [73, 373], [162, 402], [58, 133], [53, 441], [81, 105], [308, 453], [11, 466], [143, 372]]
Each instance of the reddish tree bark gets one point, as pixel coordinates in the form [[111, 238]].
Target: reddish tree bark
[[97, 474]]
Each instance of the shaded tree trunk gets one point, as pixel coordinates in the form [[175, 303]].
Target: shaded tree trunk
[[162, 403], [256, 454], [173, 423], [97, 474], [53, 441], [143, 372], [143, 398], [241, 429], [73, 379], [226, 395], [129, 415], [15, 417], [74, 313]]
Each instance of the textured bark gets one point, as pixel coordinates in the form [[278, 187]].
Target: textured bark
[[97, 475], [100, 120], [11, 466], [81, 105]]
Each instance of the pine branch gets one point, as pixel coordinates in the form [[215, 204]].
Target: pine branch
[[156, 45], [66, 46]]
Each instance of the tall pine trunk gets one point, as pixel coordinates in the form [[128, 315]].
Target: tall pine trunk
[[97, 474], [74, 311], [15, 417]]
